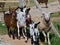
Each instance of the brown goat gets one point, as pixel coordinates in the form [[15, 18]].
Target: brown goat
[[43, 1], [11, 22], [7, 18]]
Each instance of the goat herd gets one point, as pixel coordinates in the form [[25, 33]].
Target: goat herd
[[18, 19]]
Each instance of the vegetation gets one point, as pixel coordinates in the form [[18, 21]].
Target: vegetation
[[3, 29], [55, 40], [57, 14], [51, 0]]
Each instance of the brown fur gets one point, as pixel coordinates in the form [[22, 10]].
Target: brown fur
[[11, 22], [43, 1]]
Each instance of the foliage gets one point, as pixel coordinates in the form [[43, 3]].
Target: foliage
[[56, 40], [51, 0], [3, 29], [57, 25], [57, 14]]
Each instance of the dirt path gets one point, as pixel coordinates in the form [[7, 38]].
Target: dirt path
[[6, 39]]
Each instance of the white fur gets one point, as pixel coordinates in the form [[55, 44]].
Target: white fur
[[21, 18], [24, 10], [31, 30], [34, 30], [18, 29], [21, 21], [46, 15], [7, 12]]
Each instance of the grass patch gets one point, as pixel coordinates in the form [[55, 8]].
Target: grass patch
[[31, 3], [3, 29], [51, 0], [57, 25], [56, 40], [57, 14]]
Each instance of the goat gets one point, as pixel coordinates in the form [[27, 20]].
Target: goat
[[34, 33]]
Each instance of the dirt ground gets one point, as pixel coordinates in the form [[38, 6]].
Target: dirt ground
[[6, 39]]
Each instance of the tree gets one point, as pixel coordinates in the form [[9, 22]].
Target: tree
[[22, 3]]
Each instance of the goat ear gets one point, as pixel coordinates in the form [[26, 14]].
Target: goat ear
[[10, 9], [25, 6], [52, 13], [27, 10], [38, 23], [17, 8]]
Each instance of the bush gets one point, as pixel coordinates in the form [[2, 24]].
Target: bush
[[55, 40], [57, 14], [3, 29]]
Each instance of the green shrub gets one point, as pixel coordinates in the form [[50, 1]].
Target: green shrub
[[55, 40], [3, 29], [57, 25], [57, 14]]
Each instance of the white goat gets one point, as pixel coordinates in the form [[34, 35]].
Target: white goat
[[21, 21], [34, 33]]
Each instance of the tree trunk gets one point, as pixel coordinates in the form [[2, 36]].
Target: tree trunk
[[22, 3]]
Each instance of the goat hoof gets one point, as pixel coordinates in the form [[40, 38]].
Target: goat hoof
[[49, 43], [31, 44], [16, 37], [9, 36], [23, 37], [26, 41], [19, 38], [13, 37], [46, 6]]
